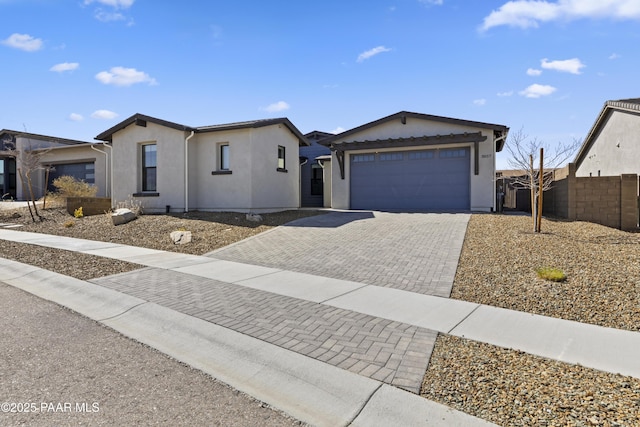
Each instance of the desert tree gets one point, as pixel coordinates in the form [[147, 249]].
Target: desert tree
[[538, 162], [30, 162]]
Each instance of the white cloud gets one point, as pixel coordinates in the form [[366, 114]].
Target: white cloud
[[436, 2], [533, 72], [537, 91], [503, 94], [530, 13], [104, 115], [572, 65], [479, 102], [372, 52], [614, 56], [118, 4], [337, 130], [65, 66], [104, 16], [120, 76], [276, 107], [23, 42], [75, 117]]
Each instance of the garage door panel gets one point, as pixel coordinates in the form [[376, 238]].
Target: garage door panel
[[414, 180]]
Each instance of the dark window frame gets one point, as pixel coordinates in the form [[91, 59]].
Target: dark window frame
[[317, 183], [282, 159], [147, 169], [222, 166]]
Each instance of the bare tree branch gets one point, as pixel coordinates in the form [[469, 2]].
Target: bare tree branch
[[524, 152]]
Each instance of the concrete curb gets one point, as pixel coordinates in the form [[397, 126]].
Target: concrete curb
[[305, 388]]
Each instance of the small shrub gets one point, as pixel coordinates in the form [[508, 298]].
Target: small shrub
[[551, 274], [69, 224], [68, 186], [78, 213], [132, 204]]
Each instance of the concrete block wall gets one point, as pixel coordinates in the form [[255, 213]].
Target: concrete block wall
[[598, 200], [90, 205], [608, 200]]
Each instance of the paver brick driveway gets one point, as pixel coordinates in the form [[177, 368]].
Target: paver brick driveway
[[416, 252]]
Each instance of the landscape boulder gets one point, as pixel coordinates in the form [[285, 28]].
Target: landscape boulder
[[181, 237], [254, 217], [122, 216]]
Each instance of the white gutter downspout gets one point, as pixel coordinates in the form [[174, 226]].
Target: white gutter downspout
[[495, 194], [106, 170], [186, 171]]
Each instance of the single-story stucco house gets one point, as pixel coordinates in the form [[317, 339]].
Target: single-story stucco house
[[612, 146], [250, 166], [83, 160], [415, 162]]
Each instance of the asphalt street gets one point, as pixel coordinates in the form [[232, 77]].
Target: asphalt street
[[60, 368]]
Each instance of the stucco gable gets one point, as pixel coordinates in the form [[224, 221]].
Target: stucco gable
[[500, 131], [628, 106], [141, 120]]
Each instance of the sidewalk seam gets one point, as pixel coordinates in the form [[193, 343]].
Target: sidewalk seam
[[463, 319], [364, 405], [364, 285]]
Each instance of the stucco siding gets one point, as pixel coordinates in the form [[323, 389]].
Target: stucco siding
[[127, 159], [220, 191], [273, 189], [616, 148]]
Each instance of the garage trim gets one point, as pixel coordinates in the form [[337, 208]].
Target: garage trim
[[426, 140]]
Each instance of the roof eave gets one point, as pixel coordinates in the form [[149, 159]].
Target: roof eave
[[108, 134], [402, 115]]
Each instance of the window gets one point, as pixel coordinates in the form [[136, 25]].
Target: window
[[385, 157], [360, 158], [224, 157], [316, 180], [421, 155], [149, 164], [281, 159], [453, 152]]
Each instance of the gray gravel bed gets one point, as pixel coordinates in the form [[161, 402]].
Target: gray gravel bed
[[512, 388], [74, 264], [53, 356], [500, 256]]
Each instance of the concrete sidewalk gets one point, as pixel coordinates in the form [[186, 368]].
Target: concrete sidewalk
[[170, 305], [305, 388], [606, 349]]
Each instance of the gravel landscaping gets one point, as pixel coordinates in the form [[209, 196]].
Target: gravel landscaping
[[512, 388], [497, 267], [500, 257]]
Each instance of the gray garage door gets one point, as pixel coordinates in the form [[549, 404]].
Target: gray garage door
[[81, 171], [425, 180]]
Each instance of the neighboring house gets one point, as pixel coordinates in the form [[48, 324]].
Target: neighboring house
[[248, 166], [612, 146], [311, 172], [415, 162], [83, 160]]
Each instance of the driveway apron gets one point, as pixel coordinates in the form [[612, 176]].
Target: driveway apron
[[416, 252]]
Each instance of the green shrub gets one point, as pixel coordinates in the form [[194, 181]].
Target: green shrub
[[551, 274], [68, 186]]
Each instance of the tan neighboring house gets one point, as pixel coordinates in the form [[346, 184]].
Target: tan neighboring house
[[612, 146], [250, 166], [83, 160], [415, 162]]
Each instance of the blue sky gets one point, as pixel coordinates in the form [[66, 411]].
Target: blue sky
[[74, 68]]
